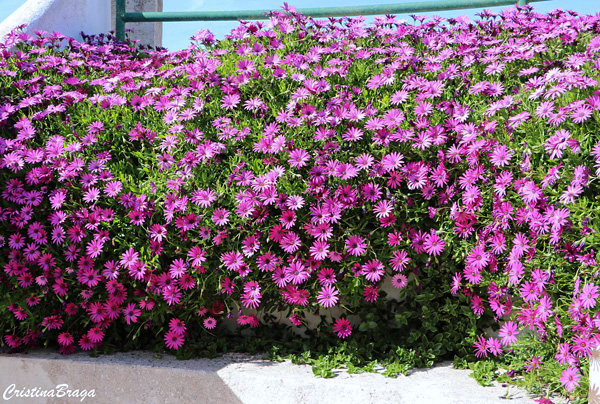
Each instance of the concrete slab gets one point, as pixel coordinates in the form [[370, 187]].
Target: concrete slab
[[140, 377]]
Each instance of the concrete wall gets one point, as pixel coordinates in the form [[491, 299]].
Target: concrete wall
[[69, 17], [147, 33]]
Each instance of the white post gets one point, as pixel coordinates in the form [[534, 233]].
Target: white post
[[69, 17], [147, 33], [594, 397]]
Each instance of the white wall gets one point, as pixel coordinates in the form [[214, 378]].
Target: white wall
[[69, 17], [594, 397]]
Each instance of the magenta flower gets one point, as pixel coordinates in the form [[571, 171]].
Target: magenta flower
[[373, 270], [570, 378], [589, 295], [509, 333], [209, 323], [328, 296], [342, 327], [355, 245], [434, 245], [174, 340]]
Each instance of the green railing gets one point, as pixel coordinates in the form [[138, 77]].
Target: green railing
[[123, 17]]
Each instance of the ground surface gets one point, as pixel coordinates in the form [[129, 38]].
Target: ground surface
[[140, 377]]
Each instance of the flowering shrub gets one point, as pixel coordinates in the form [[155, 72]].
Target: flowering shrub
[[147, 197]]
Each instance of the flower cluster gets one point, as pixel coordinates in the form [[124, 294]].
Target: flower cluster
[[299, 167]]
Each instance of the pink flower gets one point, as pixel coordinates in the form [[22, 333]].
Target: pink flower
[[481, 347], [131, 313], [327, 297], [129, 258], [399, 281], [209, 323], [65, 339], [177, 326], [342, 327], [220, 217], [588, 295], [570, 378], [373, 270], [174, 340], [356, 245], [434, 245], [319, 250], [509, 333]]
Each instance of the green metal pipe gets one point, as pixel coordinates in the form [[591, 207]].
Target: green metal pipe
[[120, 20], [402, 8]]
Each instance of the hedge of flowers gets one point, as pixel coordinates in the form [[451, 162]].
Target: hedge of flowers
[[297, 166]]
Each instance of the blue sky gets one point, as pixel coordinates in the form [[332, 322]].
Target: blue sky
[[176, 34]]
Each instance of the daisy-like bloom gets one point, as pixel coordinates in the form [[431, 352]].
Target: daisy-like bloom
[[95, 334], [434, 245], [129, 258], [355, 245], [569, 195], [177, 325], [209, 323], [493, 346], [394, 238], [328, 296], [171, 295], [198, 256], [570, 378], [352, 134], [508, 332], [94, 247], [423, 108], [230, 101], [174, 340], [290, 243], [582, 346], [298, 158], [481, 347], [294, 202], [581, 114], [319, 250], [233, 260], [371, 192], [288, 219], [373, 270], [138, 270], [342, 327], [297, 272], [220, 217], [399, 281], [177, 268], [131, 313], [112, 189], [392, 161], [399, 97], [280, 277], [371, 293], [86, 343], [399, 260], [456, 283], [326, 276], [589, 295], [478, 258], [364, 161], [268, 262], [501, 156], [383, 208], [204, 197], [65, 339]]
